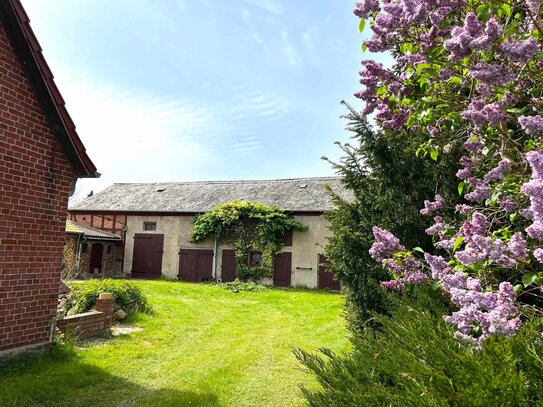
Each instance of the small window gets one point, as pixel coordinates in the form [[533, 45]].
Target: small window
[[287, 239], [108, 249], [255, 259], [149, 225], [84, 248]]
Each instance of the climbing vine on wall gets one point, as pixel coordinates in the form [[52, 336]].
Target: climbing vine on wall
[[247, 226]]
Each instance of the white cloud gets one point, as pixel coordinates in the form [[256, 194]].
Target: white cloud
[[290, 52], [245, 15], [268, 6], [137, 137]]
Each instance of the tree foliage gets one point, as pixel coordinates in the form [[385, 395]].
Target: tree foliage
[[414, 360], [389, 183]]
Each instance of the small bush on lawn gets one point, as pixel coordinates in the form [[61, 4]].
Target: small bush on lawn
[[126, 294], [237, 286], [417, 361]]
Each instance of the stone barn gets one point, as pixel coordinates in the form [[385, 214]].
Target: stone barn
[[157, 222]]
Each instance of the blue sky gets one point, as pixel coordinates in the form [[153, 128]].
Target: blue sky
[[189, 90]]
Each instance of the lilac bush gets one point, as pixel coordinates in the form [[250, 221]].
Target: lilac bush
[[466, 74]]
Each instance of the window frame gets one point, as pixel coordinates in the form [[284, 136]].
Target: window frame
[[152, 226], [251, 253]]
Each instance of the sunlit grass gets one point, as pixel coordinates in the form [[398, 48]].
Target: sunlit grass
[[203, 346]]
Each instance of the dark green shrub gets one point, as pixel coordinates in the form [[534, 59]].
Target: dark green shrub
[[416, 361], [389, 184], [125, 293]]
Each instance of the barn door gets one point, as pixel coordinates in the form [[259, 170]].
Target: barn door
[[325, 279], [228, 268], [195, 265], [97, 251], [147, 257], [282, 269]]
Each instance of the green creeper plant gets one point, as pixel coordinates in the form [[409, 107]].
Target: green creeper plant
[[247, 226]]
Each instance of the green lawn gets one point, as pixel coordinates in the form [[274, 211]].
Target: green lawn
[[204, 346]]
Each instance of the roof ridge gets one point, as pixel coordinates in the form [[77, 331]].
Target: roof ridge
[[241, 181]]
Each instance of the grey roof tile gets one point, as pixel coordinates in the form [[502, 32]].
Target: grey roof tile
[[299, 194]]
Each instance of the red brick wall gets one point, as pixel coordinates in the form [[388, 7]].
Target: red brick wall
[[89, 323], [35, 180]]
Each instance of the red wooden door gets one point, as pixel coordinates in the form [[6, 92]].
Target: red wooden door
[[195, 265], [228, 268], [147, 256], [325, 279], [97, 252], [205, 265], [282, 269], [187, 265]]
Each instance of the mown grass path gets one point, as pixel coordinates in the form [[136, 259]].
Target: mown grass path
[[204, 346]]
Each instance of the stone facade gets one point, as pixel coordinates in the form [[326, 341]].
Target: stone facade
[[177, 230], [72, 266]]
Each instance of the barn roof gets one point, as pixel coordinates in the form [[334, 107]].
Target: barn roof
[[297, 195], [25, 44], [89, 232]]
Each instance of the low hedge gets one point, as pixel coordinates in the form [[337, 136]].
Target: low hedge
[[126, 294]]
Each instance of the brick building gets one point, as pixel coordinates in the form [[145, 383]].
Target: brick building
[[91, 252], [41, 157]]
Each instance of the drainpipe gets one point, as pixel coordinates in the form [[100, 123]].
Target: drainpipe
[[78, 256], [214, 270]]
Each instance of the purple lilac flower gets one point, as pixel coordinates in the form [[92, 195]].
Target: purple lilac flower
[[365, 8], [409, 271], [491, 74], [522, 51], [508, 204], [534, 189], [531, 124], [398, 119], [474, 145], [493, 312], [479, 194], [463, 39], [517, 247], [538, 254], [434, 131], [498, 172], [385, 246], [527, 213], [484, 89], [508, 99], [445, 74], [446, 244], [534, 6], [463, 208], [432, 206], [492, 32], [495, 114], [474, 112], [468, 169], [436, 228], [480, 113], [377, 44]]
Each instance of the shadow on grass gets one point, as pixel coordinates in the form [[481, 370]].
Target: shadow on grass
[[59, 378]]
